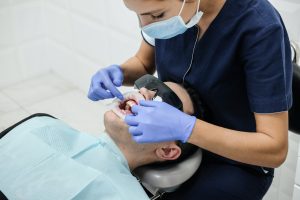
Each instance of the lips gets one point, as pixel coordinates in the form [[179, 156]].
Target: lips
[[123, 108]]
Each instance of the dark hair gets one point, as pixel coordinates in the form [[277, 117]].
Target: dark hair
[[187, 148], [199, 110]]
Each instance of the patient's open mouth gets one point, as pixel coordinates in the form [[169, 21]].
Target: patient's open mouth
[[126, 106], [123, 108]]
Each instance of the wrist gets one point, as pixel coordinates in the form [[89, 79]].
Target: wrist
[[117, 67], [120, 70], [189, 126], [126, 75]]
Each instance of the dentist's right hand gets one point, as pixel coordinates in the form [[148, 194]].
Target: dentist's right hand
[[105, 82]]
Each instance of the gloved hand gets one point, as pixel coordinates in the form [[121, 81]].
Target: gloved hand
[[104, 83], [155, 121]]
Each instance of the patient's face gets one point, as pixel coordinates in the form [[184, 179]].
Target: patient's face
[[123, 108], [114, 119], [118, 129]]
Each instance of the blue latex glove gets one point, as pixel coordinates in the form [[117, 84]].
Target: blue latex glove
[[155, 121], [104, 83]]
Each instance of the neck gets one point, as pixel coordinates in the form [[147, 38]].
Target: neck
[[210, 7]]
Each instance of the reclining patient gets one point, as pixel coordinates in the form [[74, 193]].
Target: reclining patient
[[50, 160]]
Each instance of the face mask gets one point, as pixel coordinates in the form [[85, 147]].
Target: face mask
[[172, 27], [162, 90]]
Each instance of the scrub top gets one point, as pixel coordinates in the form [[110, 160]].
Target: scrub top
[[43, 158], [241, 66]]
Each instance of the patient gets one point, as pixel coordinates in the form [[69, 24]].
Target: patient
[[50, 160], [142, 154]]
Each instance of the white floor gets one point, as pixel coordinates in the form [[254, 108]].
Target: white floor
[[52, 95]]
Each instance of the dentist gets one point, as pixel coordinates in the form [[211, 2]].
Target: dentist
[[236, 55]]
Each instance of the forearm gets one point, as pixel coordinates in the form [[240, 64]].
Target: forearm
[[133, 69], [248, 147], [142, 63]]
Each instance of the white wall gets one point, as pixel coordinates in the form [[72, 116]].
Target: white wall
[[22, 40], [290, 12], [296, 194], [74, 38], [86, 35]]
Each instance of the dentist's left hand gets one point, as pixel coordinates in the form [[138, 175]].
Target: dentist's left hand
[[155, 121]]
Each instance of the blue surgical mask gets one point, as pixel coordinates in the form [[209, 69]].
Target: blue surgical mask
[[172, 27]]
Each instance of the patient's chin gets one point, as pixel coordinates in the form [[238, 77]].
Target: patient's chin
[[116, 128], [113, 123], [110, 116]]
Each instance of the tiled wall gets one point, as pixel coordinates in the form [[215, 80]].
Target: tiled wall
[[296, 194], [290, 12], [75, 38], [86, 35], [22, 40]]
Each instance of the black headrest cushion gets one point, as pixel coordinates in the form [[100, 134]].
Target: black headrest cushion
[[294, 112]]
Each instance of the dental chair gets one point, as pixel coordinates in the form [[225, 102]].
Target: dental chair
[[159, 180], [294, 113]]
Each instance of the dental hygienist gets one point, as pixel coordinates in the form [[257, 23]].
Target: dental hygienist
[[236, 54]]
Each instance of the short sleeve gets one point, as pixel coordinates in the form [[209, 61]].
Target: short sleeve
[[268, 69], [148, 39]]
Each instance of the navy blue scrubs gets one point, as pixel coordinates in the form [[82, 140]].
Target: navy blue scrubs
[[241, 65]]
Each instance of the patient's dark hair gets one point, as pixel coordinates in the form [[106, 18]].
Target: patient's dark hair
[[187, 148]]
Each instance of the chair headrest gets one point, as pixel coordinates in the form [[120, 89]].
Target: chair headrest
[[294, 112], [168, 177]]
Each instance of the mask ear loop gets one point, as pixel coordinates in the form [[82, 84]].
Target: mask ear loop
[[184, 4], [182, 7], [197, 12], [198, 6]]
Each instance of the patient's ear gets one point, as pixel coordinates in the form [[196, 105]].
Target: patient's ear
[[169, 151]]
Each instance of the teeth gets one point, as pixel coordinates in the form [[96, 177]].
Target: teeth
[[127, 107], [136, 96], [130, 99], [130, 103]]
